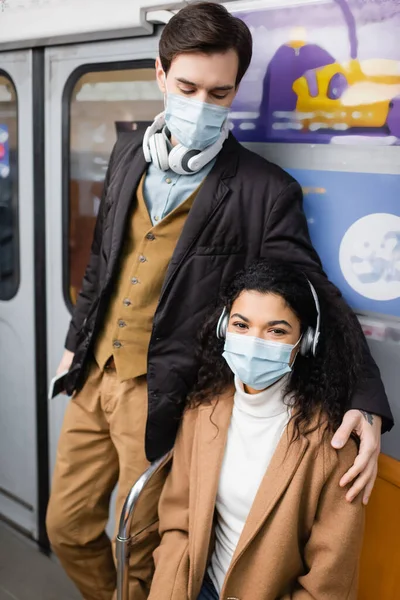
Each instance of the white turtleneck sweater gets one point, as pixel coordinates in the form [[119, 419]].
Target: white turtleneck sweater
[[256, 426]]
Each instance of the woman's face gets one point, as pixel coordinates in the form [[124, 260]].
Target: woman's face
[[265, 316]]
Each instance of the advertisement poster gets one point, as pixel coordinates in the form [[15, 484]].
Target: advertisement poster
[[359, 247], [323, 71]]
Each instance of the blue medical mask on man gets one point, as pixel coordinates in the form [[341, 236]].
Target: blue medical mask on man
[[256, 362], [195, 124]]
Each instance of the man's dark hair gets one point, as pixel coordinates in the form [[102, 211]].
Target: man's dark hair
[[209, 28]]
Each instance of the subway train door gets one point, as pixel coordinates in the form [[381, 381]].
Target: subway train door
[[18, 447], [94, 91]]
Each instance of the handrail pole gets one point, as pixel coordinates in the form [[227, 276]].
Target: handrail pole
[[124, 530], [123, 552]]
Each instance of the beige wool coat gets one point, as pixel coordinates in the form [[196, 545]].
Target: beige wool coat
[[301, 540]]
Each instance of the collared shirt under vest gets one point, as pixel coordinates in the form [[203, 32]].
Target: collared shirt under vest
[[146, 255]]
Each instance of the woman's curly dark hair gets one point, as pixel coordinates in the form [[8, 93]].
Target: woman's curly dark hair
[[320, 385]]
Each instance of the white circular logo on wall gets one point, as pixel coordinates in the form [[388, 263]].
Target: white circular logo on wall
[[369, 256]]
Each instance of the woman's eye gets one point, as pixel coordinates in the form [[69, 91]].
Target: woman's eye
[[240, 325], [278, 331]]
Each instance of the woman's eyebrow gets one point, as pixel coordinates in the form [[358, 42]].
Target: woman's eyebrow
[[245, 319], [282, 322], [270, 323]]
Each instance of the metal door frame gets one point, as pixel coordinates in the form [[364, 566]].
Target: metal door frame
[[24, 68], [40, 292]]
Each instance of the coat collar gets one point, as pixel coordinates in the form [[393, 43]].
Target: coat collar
[[211, 436]]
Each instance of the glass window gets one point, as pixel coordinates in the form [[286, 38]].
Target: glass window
[[9, 259], [102, 104]]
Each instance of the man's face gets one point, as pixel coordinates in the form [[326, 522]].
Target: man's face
[[206, 77]]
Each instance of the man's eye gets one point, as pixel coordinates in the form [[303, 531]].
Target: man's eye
[[219, 97], [187, 92]]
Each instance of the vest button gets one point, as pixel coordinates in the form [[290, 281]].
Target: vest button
[[117, 344], [134, 280], [121, 323], [142, 258], [127, 302], [168, 180], [151, 237]]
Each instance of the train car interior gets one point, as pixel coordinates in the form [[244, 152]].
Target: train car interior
[[321, 99]]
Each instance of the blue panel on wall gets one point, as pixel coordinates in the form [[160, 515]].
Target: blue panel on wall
[[354, 222]]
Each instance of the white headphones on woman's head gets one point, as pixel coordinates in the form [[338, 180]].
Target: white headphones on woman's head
[[310, 337], [309, 341], [181, 160]]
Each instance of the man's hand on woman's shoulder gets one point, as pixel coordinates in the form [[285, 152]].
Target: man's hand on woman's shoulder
[[365, 468]]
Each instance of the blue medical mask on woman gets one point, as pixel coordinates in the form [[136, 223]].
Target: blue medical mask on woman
[[258, 363], [195, 124]]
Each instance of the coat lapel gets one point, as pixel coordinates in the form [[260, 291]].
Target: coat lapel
[[212, 193], [211, 436], [277, 478], [124, 204]]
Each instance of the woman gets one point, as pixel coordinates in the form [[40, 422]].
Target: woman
[[252, 508]]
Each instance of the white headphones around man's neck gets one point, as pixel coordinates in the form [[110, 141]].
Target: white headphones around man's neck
[[179, 159], [309, 340]]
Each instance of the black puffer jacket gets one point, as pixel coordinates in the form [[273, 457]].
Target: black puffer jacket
[[247, 208]]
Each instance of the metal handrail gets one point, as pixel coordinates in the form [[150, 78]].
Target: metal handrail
[[124, 531]]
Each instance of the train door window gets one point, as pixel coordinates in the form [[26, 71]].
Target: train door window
[[9, 253], [101, 102]]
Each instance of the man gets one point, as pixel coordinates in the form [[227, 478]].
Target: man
[[179, 216]]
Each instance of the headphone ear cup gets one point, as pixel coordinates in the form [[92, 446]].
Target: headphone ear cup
[[157, 124], [315, 343], [222, 325], [146, 143], [161, 150], [153, 152], [307, 343], [178, 159]]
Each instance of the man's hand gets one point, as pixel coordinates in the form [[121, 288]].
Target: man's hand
[[65, 362], [365, 468]]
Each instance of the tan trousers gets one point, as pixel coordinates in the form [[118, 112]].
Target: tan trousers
[[101, 444]]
